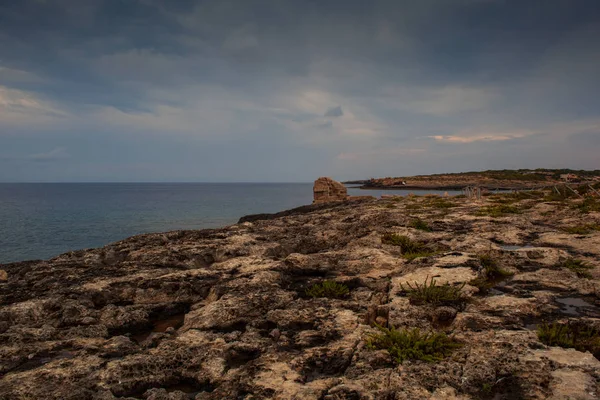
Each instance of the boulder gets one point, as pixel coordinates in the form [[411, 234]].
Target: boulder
[[326, 190], [3, 275]]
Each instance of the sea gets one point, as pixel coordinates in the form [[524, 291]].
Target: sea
[[42, 220]]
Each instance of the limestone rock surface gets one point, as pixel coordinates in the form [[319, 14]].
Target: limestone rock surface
[[224, 313]]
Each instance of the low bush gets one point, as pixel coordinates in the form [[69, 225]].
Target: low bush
[[329, 289], [410, 249], [570, 336], [432, 293], [412, 344]]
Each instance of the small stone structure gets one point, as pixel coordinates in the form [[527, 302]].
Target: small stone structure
[[326, 190]]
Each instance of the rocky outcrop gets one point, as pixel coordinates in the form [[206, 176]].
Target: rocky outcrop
[[327, 190], [224, 313]]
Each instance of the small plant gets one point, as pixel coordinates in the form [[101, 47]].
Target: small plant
[[589, 205], [390, 205], [491, 269], [486, 388], [582, 229], [570, 336], [410, 249], [500, 210], [329, 289], [578, 266], [412, 344], [420, 225], [432, 293]]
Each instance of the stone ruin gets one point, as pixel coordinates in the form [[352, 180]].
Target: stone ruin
[[326, 190]]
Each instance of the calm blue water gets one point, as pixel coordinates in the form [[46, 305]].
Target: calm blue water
[[40, 220]]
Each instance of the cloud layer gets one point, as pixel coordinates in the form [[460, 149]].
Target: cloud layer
[[269, 90]]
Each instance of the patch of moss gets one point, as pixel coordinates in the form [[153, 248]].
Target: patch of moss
[[390, 205], [441, 203], [412, 344], [329, 289], [500, 210], [570, 336], [582, 229], [432, 293], [580, 267], [410, 249], [414, 206], [420, 225]]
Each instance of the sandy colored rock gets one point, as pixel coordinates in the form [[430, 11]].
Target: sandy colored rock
[[326, 190], [3, 275], [224, 313]]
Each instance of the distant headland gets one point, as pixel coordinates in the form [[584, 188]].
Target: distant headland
[[492, 179]]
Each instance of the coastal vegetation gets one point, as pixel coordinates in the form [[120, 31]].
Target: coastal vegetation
[[410, 249], [329, 289], [434, 294], [578, 337], [412, 344]]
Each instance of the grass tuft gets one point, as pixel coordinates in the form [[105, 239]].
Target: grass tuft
[[420, 225], [329, 289], [412, 344], [437, 295], [570, 336], [578, 266], [491, 269], [410, 249]]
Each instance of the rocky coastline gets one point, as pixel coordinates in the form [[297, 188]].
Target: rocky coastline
[[233, 313]]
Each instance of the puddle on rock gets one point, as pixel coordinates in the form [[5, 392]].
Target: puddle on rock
[[576, 306], [160, 326]]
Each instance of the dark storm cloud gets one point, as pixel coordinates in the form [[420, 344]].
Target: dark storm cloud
[[424, 74], [334, 112]]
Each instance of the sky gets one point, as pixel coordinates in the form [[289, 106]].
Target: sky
[[287, 91]]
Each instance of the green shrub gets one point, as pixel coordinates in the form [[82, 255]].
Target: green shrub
[[434, 294], [570, 336], [410, 249], [330, 289], [412, 344], [582, 229], [420, 225], [580, 267]]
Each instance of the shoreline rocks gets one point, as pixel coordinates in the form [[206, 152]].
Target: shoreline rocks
[[225, 313]]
